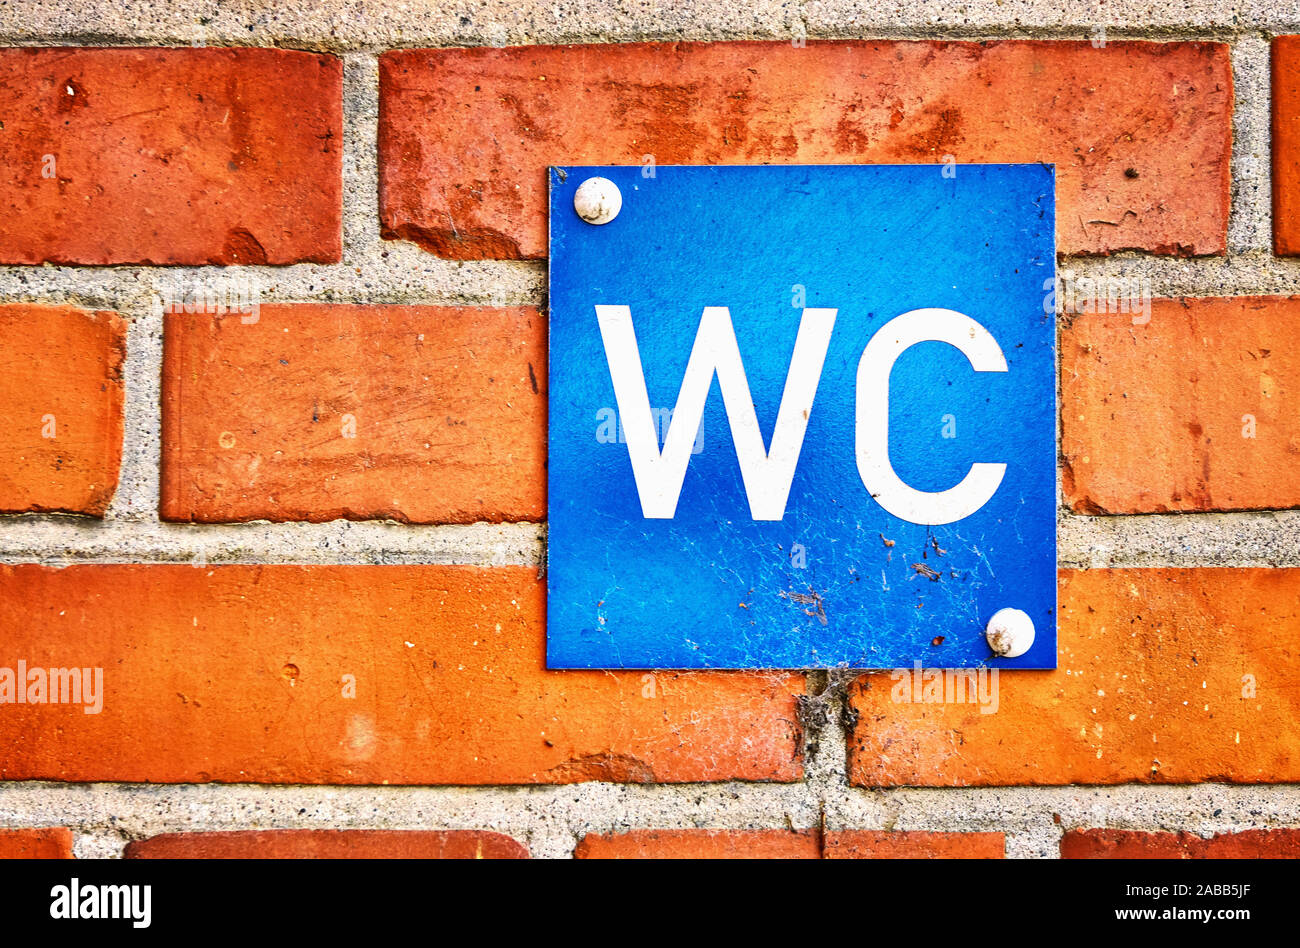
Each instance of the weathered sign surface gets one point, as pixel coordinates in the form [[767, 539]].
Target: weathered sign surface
[[800, 416]]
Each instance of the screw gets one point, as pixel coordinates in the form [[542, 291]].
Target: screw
[[1010, 633], [597, 200]]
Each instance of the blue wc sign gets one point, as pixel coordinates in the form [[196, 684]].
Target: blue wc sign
[[802, 417]]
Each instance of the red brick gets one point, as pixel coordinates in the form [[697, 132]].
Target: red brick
[[1129, 844], [236, 673], [1140, 132], [170, 156], [1156, 416], [329, 844], [448, 407], [702, 844], [789, 844], [871, 844], [52, 843], [1151, 686], [61, 404], [1286, 145]]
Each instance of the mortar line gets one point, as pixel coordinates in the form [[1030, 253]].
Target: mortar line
[[137, 496], [62, 541], [1251, 211], [418, 278], [1176, 540], [919, 31], [361, 240]]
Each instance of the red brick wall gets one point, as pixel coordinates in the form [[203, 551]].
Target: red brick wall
[[426, 409]]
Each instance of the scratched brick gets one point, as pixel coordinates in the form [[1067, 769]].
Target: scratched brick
[[357, 675], [424, 414], [1164, 676], [170, 156], [1140, 132]]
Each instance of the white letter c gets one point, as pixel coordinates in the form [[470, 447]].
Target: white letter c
[[899, 334]]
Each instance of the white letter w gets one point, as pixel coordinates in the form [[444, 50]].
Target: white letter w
[[767, 476]]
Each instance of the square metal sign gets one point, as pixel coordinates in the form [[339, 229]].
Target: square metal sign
[[802, 417]]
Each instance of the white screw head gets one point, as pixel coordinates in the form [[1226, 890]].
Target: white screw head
[[598, 200], [1010, 633]]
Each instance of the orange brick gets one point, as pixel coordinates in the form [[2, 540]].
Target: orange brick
[[170, 156], [1165, 675], [1129, 844], [244, 673], [61, 405], [446, 408], [871, 844], [702, 844], [1140, 132], [1286, 145], [52, 843], [329, 844], [1189, 411]]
